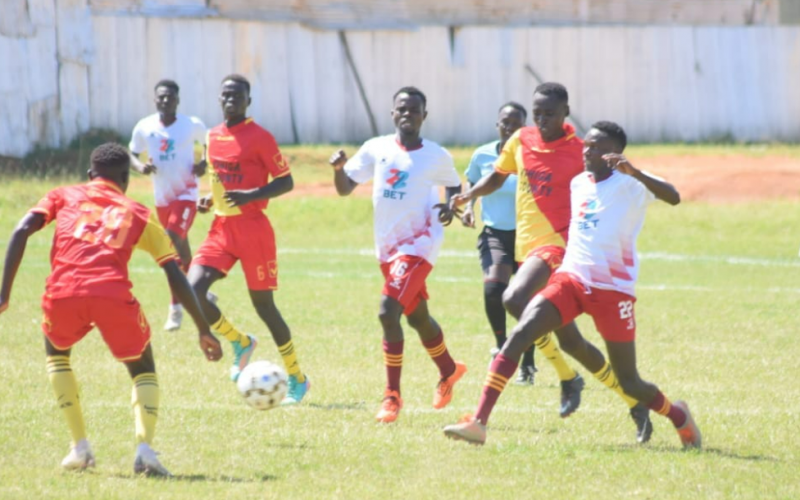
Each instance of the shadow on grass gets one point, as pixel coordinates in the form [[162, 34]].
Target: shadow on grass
[[719, 452], [196, 478], [339, 406]]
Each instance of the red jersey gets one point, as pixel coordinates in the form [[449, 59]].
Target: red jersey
[[244, 156], [545, 170], [97, 228]]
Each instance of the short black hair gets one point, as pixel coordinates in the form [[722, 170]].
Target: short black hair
[[110, 156], [170, 84], [613, 131], [553, 89], [235, 77], [412, 91], [512, 104]]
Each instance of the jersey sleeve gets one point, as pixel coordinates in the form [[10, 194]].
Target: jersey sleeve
[[273, 159], [507, 161], [138, 143], [445, 173], [49, 205], [154, 240], [639, 192], [473, 171], [361, 167], [199, 131]]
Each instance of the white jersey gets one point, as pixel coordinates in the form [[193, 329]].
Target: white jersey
[[172, 151], [404, 191], [607, 217]]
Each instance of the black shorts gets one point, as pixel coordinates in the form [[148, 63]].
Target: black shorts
[[496, 246]]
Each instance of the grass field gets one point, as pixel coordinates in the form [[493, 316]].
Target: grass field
[[717, 323]]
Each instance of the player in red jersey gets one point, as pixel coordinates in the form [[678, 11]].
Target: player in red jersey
[[97, 228], [247, 169], [546, 157]]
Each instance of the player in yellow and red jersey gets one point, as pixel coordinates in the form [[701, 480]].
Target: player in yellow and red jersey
[[247, 169], [97, 228], [546, 157]]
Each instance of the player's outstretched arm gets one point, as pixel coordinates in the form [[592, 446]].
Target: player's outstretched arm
[[183, 291], [275, 188], [344, 184], [446, 210], [487, 185], [29, 224], [143, 168], [663, 190]]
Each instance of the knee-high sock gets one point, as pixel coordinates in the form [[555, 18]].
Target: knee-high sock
[[290, 361], [500, 371], [393, 360], [145, 399], [440, 355], [607, 377], [549, 347], [65, 388], [495, 312], [661, 405], [227, 330]]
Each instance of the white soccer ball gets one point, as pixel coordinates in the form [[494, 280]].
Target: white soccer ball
[[263, 384]]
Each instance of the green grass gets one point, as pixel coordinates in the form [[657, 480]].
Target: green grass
[[715, 328]]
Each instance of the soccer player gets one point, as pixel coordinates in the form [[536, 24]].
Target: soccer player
[[97, 228], [247, 170], [597, 277], [546, 157], [496, 240], [169, 139], [406, 171]]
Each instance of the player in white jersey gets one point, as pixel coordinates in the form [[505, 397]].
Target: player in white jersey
[[597, 276], [406, 172], [169, 140]]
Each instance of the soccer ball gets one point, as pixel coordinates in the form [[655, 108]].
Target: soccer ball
[[262, 384]]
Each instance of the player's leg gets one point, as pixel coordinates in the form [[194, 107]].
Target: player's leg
[[531, 277], [538, 319], [432, 337], [264, 303], [175, 316], [389, 315], [176, 219]]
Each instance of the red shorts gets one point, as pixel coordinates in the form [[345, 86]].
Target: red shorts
[[611, 311], [248, 238], [552, 255], [405, 281], [121, 323], [177, 217]]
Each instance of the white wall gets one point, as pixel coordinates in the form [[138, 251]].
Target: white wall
[[676, 83]]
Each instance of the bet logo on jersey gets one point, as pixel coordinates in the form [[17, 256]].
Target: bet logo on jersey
[[396, 181], [588, 214], [167, 149]]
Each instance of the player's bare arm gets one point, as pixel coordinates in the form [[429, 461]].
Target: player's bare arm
[[31, 223], [663, 190], [199, 168], [344, 184], [183, 291], [483, 187], [143, 168], [468, 217], [275, 188], [446, 210]]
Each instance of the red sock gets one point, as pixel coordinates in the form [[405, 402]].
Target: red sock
[[440, 355], [500, 371], [661, 405], [393, 359]]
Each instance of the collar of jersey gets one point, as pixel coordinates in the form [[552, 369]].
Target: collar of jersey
[[107, 183]]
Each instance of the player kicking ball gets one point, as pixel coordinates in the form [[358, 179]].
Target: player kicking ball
[[597, 277], [406, 171], [97, 228]]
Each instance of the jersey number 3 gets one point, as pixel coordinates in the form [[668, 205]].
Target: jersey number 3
[[109, 225]]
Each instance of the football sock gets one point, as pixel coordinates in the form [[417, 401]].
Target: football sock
[[500, 371], [661, 405], [290, 361], [549, 348], [144, 398], [65, 388], [607, 377], [393, 360], [527, 357], [495, 312], [227, 330], [440, 355]]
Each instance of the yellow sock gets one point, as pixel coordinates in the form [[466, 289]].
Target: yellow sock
[[65, 388], [145, 399], [227, 330], [607, 377], [549, 348], [290, 361]]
